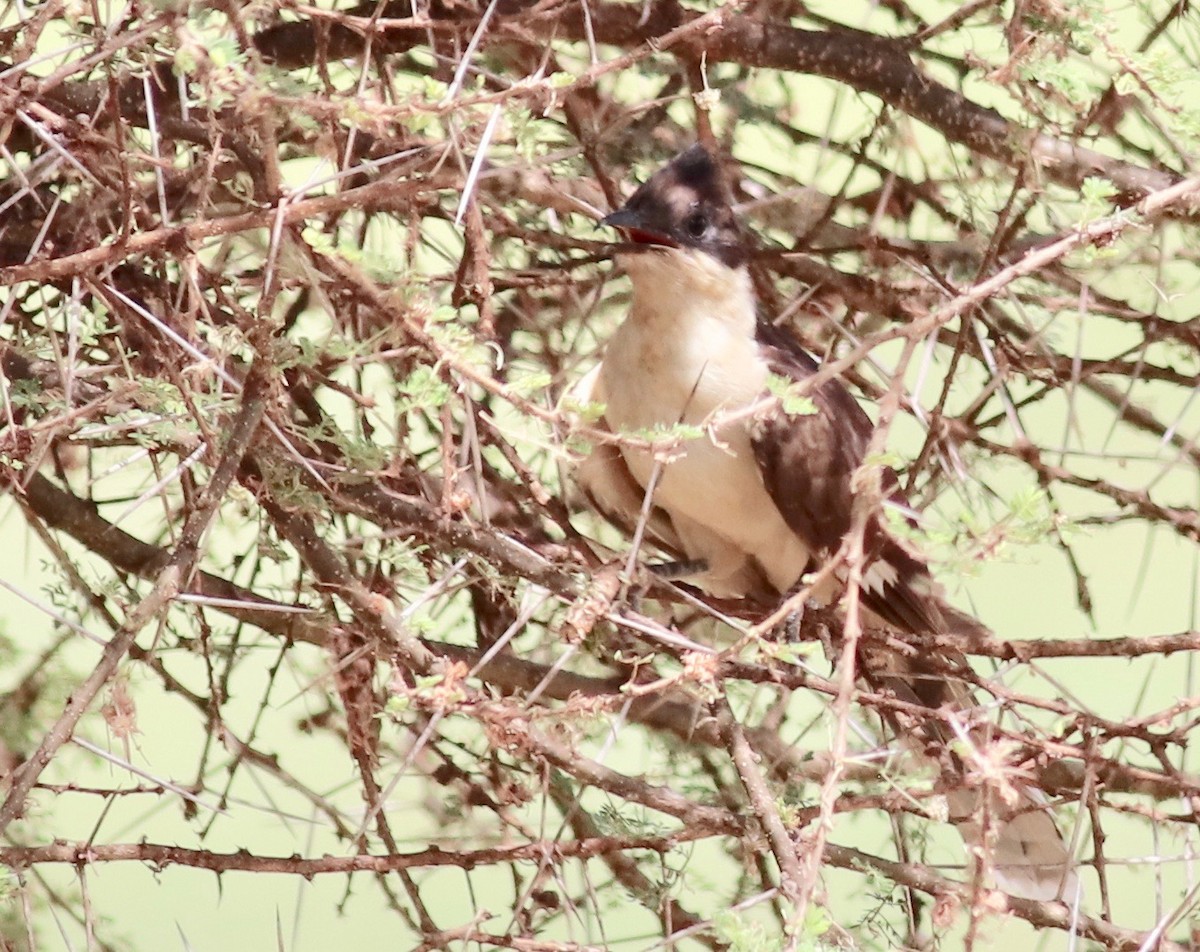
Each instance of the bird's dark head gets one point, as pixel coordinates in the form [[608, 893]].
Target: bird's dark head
[[685, 204]]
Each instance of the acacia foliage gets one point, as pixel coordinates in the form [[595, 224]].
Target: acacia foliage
[[290, 296]]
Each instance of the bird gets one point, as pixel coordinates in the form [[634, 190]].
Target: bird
[[754, 497]]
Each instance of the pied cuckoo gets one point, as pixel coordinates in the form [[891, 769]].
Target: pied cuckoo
[[763, 496]]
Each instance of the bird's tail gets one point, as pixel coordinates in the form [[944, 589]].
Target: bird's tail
[[1007, 824], [1020, 844]]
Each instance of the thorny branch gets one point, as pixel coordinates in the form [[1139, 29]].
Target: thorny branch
[[287, 308]]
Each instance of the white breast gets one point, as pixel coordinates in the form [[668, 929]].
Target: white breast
[[686, 353]]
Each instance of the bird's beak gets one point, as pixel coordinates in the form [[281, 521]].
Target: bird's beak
[[623, 218], [636, 230]]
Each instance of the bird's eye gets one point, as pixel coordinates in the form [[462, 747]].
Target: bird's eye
[[696, 224]]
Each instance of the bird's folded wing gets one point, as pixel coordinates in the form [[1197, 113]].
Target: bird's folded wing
[[605, 479], [808, 462]]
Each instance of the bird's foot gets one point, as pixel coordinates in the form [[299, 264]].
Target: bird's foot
[[788, 630], [678, 569], [662, 571]]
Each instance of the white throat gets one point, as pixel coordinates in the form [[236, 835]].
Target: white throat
[[678, 285]]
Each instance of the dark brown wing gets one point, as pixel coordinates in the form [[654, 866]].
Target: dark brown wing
[[807, 463]]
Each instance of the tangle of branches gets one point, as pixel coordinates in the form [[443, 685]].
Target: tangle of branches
[[297, 585]]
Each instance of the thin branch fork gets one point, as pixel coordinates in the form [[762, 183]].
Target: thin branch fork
[[170, 579]]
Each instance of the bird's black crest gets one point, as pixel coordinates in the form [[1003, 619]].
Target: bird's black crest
[[685, 204], [698, 170]]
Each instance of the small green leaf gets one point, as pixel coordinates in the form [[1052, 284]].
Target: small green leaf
[[791, 400], [792, 652], [588, 412], [887, 459], [662, 433], [1097, 195], [423, 389], [526, 383]]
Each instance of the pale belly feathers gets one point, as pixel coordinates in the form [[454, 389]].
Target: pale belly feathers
[[657, 374]]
